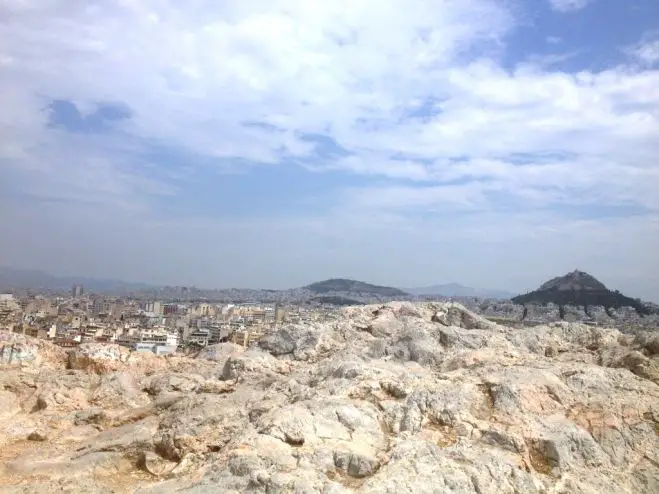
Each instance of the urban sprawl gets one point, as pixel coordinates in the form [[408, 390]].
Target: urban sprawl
[[164, 326], [151, 326]]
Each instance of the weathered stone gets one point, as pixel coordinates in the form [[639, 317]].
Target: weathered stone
[[355, 465], [398, 398], [17, 350], [154, 464], [38, 436], [279, 343], [220, 352], [254, 362], [117, 390], [9, 405], [173, 382], [97, 357], [128, 438], [65, 467]]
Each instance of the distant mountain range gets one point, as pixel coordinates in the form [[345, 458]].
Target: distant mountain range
[[457, 290], [341, 285], [12, 278], [576, 288], [580, 289]]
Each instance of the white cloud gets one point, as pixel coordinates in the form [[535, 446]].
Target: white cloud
[[647, 50], [195, 79], [195, 72], [568, 5]]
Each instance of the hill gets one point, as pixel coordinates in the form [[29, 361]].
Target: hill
[[580, 289], [574, 281], [457, 290], [353, 286]]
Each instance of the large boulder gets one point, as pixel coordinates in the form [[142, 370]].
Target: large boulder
[[98, 357], [298, 342], [118, 390], [20, 350]]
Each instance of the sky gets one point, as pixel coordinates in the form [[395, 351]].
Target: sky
[[216, 143]]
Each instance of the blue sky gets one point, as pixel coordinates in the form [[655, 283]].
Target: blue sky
[[492, 143]]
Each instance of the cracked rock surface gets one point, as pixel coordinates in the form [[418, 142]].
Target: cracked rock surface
[[398, 398]]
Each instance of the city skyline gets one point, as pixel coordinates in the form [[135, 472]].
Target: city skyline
[[273, 144], [32, 279]]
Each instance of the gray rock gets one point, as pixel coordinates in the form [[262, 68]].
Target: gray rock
[[175, 382], [127, 438], [155, 464], [118, 390], [220, 352], [399, 398], [355, 465], [279, 343]]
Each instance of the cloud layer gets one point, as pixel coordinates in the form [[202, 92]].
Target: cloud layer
[[410, 103], [568, 5]]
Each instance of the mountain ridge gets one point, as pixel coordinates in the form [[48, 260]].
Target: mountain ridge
[[18, 278], [353, 286], [458, 290], [12, 278]]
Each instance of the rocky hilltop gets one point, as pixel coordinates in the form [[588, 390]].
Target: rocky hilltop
[[580, 289], [394, 398], [574, 281], [352, 287]]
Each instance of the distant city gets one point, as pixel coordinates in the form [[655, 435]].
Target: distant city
[[165, 320]]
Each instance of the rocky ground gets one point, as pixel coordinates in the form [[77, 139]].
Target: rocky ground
[[387, 399]]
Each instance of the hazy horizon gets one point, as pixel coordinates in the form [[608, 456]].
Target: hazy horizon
[[283, 287], [491, 143]]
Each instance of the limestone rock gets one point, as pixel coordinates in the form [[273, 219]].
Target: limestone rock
[[155, 465], [97, 357], [126, 438], [20, 350], [174, 382], [254, 362], [220, 352], [301, 343], [398, 398], [117, 390], [9, 405]]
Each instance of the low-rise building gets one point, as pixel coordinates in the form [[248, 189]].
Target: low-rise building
[[200, 337]]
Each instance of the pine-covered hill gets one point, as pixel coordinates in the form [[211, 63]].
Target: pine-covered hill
[[352, 286], [580, 289]]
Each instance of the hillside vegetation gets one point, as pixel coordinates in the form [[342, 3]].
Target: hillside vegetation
[[353, 286], [580, 289]]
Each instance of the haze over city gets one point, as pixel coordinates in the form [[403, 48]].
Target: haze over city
[[272, 144]]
